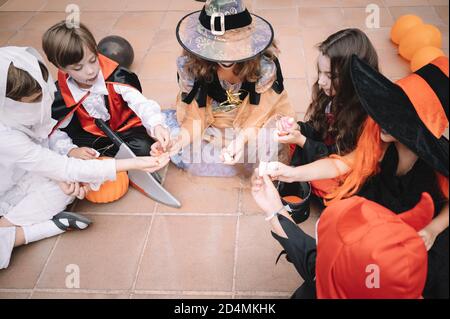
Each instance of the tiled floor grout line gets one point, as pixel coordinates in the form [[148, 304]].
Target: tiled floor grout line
[[236, 240], [46, 264], [156, 292], [144, 247], [21, 27], [388, 10], [16, 290], [159, 28], [206, 214]]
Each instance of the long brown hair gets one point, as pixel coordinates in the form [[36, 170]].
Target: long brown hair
[[345, 106], [247, 71]]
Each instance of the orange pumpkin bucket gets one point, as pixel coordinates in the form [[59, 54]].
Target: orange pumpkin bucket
[[110, 191]]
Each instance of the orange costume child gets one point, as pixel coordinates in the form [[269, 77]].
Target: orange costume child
[[363, 251]]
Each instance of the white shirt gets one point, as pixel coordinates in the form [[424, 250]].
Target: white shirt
[[147, 110], [20, 154]]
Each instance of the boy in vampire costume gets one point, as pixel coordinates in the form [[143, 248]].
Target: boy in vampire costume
[[92, 86]]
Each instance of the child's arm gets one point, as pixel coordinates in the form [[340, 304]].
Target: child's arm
[[326, 168], [437, 226], [19, 150], [147, 110], [60, 142]]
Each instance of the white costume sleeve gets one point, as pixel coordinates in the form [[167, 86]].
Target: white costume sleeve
[[17, 149], [60, 142], [147, 110]]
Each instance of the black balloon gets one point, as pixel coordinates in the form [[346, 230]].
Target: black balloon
[[117, 49]]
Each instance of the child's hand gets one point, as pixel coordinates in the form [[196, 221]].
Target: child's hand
[[288, 132], [294, 137], [265, 194], [84, 153], [162, 135], [156, 149], [232, 154], [151, 164], [74, 189], [429, 237], [283, 173]]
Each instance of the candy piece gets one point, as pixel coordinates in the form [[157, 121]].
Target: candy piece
[[287, 123], [266, 168], [227, 157], [262, 168], [272, 167], [97, 154]]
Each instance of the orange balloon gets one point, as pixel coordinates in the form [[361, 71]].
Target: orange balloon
[[403, 25], [420, 36], [425, 56], [110, 191]]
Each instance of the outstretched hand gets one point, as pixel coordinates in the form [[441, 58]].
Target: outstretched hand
[[265, 194]]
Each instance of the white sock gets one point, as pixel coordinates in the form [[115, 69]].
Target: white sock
[[40, 231]]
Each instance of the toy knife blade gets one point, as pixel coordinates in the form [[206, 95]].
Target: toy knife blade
[[142, 181]]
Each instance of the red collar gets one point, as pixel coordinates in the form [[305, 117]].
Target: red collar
[[107, 66]]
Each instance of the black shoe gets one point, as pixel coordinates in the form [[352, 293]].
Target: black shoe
[[75, 221]]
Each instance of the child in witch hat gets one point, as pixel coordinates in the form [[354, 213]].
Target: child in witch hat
[[37, 179], [230, 81], [401, 153]]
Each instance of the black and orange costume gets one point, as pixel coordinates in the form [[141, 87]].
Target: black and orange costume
[[123, 119], [415, 112]]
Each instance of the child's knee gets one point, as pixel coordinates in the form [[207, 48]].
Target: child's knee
[[55, 198], [141, 146]]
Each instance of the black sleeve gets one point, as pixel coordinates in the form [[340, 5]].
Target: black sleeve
[[59, 108], [125, 76], [300, 248], [313, 149]]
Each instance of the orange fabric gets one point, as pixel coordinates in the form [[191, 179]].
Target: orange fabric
[[426, 103], [364, 164], [324, 187], [107, 65], [119, 111], [442, 64], [443, 184], [361, 244]]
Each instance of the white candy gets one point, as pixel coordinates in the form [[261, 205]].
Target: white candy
[[97, 154], [272, 167], [227, 157], [266, 168], [262, 168]]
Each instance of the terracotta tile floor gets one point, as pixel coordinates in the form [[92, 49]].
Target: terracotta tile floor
[[217, 245]]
